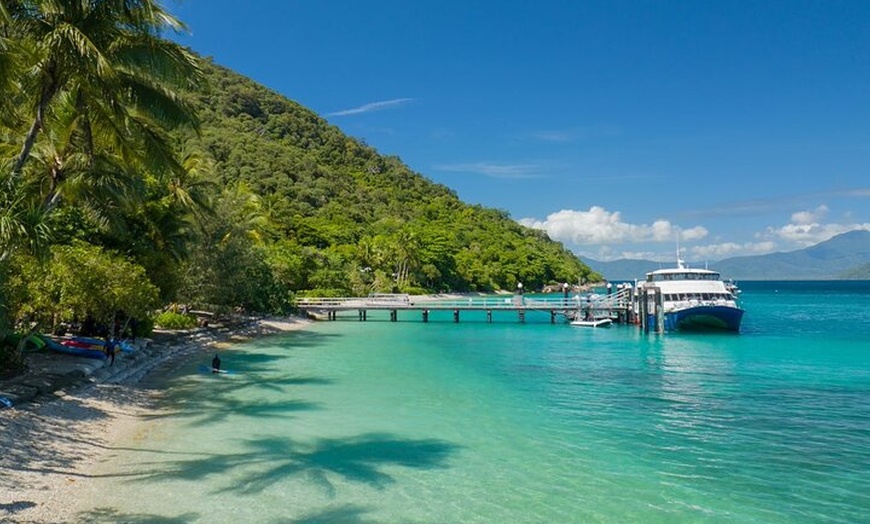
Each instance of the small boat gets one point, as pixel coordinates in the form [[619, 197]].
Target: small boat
[[59, 347], [595, 323], [93, 343], [81, 344]]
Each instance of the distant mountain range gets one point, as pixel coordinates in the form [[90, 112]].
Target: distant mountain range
[[845, 256]]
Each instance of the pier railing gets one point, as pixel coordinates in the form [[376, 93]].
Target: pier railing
[[616, 301]]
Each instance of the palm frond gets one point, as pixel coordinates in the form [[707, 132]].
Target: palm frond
[[159, 103]]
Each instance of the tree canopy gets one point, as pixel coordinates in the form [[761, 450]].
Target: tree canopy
[[127, 160], [362, 222]]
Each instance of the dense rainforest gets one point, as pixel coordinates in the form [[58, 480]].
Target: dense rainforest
[[135, 174]]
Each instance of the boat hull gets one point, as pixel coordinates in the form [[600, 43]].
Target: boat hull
[[73, 350], [600, 323], [704, 318]]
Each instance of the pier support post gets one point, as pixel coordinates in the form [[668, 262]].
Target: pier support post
[[660, 312], [522, 314], [456, 315], [644, 310], [394, 316], [425, 315]]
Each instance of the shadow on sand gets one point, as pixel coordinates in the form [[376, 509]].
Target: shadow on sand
[[113, 516], [271, 460]]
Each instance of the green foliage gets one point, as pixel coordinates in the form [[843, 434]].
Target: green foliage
[[11, 359], [343, 219], [112, 201], [143, 327], [78, 281], [172, 320]]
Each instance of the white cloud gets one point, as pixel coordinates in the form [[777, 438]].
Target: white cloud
[[495, 170], [809, 217], [806, 228], [695, 233], [373, 106], [805, 235], [599, 226]]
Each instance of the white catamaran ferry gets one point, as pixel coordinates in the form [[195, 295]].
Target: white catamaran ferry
[[695, 299]]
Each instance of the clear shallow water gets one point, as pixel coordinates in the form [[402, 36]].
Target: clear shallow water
[[508, 422]]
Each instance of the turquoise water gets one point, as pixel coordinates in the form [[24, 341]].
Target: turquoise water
[[382, 422]]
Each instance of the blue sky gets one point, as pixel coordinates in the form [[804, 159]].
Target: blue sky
[[744, 127]]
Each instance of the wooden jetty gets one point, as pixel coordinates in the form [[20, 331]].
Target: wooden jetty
[[617, 306]]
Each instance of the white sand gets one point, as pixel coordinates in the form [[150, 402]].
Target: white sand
[[49, 448]]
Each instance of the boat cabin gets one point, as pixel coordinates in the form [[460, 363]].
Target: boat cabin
[[681, 274]]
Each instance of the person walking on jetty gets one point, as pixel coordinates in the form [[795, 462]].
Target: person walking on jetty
[[216, 364]]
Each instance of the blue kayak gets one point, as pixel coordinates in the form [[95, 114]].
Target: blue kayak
[[73, 350]]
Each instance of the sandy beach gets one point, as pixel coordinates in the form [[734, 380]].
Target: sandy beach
[[51, 444]]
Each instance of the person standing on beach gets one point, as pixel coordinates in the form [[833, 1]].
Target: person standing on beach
[[216, 364], [110, 350]]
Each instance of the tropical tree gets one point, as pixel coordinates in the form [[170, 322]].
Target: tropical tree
[[79, 281], [23, 221], [107, 61]]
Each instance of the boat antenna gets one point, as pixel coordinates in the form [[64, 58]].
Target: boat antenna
[[679, 260]]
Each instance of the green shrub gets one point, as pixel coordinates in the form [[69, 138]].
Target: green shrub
[[414, 290], [170, 320], [11, 362], [143, 327]]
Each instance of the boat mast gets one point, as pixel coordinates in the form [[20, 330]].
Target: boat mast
[[679, 260]]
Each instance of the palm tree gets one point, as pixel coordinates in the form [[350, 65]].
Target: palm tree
[[108, 60], [23, 221], [407, 252]]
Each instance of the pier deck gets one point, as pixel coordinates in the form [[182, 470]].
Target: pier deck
[[612, 306]]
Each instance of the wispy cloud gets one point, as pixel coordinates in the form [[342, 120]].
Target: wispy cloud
[[858, 193], [556, 136], [743, 207], [496, 170], [373, 106], [729, 249], [573, 135], [441, 133], [758, 206]]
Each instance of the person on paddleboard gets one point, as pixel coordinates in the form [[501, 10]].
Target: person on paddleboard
[[216, 364]]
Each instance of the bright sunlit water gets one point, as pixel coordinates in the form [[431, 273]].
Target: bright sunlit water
[[381, 422]]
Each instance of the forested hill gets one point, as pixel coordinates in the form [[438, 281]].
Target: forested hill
[[338, 218], [134, 175]]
